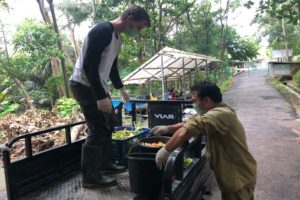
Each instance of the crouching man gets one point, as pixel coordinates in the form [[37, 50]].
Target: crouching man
[[227, 151]]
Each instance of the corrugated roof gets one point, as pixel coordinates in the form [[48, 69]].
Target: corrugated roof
[[168, 63]]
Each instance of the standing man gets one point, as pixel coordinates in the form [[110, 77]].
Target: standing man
[[227, 151], [89, 84]]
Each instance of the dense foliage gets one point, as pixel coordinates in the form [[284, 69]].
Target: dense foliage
[[65, 106], [279, 21], [33, 72]]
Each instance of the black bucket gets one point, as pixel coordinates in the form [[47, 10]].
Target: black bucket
[[145, 178]]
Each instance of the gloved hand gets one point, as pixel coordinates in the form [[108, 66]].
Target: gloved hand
[[161, 157], [104, 105], [160, 130]]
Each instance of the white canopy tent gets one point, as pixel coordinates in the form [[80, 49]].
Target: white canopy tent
[[168, 64]]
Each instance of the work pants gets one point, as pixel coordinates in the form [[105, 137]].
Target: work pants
[[246, 193], [100, 124]]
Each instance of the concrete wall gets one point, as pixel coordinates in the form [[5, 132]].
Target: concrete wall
[[277, 68]]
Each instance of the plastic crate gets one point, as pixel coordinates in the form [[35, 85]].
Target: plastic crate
[[120, 147]]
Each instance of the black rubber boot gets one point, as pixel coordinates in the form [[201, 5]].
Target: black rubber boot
[[113, 169], [108, 167], [91, 161]]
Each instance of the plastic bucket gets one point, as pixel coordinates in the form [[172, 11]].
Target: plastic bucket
[[155, 139], [144, 177]]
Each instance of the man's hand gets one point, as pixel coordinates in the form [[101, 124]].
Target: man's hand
[[161, 157], [160, 130], [124, 95], [104, 105]]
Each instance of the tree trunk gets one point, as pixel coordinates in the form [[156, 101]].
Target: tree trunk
[[207, 36], [223, 16], [285, 39], [43, 11], [28, 101], [72, 34], [94, 11], [196, 35], [55, 71], [159, 28], [171, 23], [53, 60], [298, 6], [59, 43], [140, 51], [74, 43], [69, 58]]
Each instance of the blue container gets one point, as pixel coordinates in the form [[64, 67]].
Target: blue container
[[120, 147]]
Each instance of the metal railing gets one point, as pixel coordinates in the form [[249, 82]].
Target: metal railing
[[16, 182]]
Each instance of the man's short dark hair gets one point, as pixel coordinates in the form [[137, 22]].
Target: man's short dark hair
[[139, 14], [207, 89]]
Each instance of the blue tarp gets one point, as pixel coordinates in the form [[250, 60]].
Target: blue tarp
[[128, 106], [116, 103]]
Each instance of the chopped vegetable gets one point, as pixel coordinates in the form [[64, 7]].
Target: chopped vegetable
[[154, 144], [123, 134], [138, 128], [187, 162]]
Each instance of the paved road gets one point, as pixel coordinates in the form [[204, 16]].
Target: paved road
[[266, 116]]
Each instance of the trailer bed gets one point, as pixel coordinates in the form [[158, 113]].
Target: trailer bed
[[54, 174], [70, 188]]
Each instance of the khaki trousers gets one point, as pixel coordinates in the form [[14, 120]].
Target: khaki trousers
[[246, 193]]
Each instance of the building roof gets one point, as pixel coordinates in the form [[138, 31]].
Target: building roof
[[169, 64], [283, 62]]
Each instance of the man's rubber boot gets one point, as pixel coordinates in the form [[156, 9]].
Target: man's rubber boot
[[91, 160], [108, 167]]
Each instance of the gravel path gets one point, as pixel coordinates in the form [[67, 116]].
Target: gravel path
[[270, 125]]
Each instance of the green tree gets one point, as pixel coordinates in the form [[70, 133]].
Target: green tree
[[37, 40], [287, 12], [198, 27], [11, 74], [35, 45], [280, 35], [75, 13], [3, 4], [59, 44], [53, 23], [200, 32], [288, 9], [242, 49]]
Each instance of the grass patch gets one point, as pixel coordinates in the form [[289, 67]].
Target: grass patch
[[225, 85], [280, 87], [290, 97]]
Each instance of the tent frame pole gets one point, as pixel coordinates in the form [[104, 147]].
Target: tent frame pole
[[162, 77], [183, 78]]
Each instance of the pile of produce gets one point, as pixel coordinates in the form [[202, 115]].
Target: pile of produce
[[125, 133], [153, 144], [187, 162]]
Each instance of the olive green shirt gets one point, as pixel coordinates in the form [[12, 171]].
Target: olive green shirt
[[227, 149]]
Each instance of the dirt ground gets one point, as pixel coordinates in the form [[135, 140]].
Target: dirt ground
[[273, 135]]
